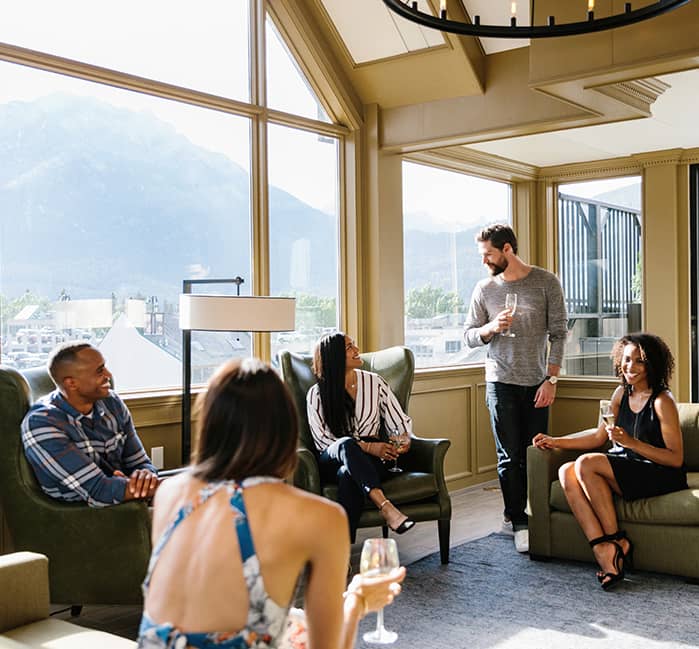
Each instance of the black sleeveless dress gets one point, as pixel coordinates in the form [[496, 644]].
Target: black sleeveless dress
[[637, 476]]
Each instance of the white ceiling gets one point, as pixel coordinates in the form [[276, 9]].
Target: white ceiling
[[674, 124], [371, 31]]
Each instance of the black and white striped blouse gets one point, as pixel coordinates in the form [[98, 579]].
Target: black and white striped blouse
[[374, 401]]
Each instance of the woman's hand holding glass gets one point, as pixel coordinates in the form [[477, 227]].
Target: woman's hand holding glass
[[380, 574], [377, 592], [383, 450], [608, 418]]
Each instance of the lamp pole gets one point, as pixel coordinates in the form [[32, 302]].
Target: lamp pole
[[187, 285]]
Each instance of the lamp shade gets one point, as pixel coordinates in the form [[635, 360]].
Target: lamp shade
[[236, 313]]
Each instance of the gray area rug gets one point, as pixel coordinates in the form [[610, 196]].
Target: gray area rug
[[489, 597]]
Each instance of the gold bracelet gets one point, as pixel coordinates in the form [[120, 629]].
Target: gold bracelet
[[356, 593]]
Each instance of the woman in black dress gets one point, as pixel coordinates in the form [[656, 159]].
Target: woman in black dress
[[648, 458]]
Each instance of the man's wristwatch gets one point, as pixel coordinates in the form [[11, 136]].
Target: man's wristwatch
[[551, 379]]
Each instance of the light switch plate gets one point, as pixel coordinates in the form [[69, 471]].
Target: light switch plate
[[157, 456]]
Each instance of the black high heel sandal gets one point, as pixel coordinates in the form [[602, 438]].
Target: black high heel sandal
[[609, 580], [628, 555], [407, 524]]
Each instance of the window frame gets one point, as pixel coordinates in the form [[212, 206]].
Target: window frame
[[345, 125]]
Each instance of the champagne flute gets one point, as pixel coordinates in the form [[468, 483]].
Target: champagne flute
[[397, 439], [379, 557], [607, 414], [511, 304]]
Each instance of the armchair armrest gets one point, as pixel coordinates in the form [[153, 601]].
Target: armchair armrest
[[427, 455], [307, 475], [542, 470], [24, 589]]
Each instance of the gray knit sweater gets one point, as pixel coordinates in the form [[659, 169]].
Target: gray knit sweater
[[540, 318]]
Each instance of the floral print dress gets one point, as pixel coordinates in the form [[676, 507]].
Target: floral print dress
[[266, 619]]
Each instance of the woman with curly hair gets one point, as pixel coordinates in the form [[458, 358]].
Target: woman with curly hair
[[646, 460], [346, 410]]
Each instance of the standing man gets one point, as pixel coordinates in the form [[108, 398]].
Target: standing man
[[521, 371], [80, 439]]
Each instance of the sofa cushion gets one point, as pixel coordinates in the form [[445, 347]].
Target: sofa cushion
[[406, 487], [24, 586], [677, 508], [59, 634]]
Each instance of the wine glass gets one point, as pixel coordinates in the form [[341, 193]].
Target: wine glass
[[607, 414], [379, 557], [398, 438], [511, 304]]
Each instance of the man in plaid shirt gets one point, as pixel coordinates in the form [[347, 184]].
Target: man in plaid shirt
[[80, 439]]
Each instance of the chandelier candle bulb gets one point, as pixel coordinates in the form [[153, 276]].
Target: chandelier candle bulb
[[590, 5]]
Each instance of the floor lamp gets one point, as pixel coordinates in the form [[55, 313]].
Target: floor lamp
[[199, 312]]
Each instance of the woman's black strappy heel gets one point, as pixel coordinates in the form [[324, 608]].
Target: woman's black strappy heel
[[609, 580], [628, 555], [407, 524]]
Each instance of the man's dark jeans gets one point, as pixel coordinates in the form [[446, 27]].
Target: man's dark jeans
[[514, 421]]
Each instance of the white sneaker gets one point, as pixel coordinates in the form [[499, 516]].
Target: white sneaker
[[522, 540], [507, 528]]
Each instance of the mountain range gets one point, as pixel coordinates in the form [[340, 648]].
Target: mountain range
[[100, 199]]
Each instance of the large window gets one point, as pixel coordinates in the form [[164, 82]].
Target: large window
[[442, 212], [109, 198], [303, 205], [600, 266]]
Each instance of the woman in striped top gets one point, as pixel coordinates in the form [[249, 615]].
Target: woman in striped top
[[345, 411]]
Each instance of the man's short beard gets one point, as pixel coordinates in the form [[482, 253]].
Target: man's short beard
[[495, 269]]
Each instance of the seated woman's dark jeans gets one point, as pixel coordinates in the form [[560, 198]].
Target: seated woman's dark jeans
[[356, 474]]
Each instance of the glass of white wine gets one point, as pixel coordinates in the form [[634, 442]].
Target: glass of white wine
[[511, 304], [607, 414], [398, 439], [379, 557]]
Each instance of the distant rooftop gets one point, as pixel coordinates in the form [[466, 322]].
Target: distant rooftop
[[27, 312]]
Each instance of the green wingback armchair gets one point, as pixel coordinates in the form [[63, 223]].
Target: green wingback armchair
[[97, 555], [420, 491]]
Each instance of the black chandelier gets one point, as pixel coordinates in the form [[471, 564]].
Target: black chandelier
[[592, 23]]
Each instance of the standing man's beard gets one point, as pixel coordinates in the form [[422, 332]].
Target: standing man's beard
[[495, 269]]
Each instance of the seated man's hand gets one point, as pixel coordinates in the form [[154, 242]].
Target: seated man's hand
[[142, 484]]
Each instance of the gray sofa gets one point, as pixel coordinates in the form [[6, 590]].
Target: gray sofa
[[664, 529], [24, 611]]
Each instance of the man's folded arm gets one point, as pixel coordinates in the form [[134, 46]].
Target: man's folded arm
[[61, 467]]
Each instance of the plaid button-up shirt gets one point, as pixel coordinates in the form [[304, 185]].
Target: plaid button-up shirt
[[74, 456]]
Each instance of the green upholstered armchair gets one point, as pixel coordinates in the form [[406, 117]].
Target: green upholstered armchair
[[97, 555], [420, 491]]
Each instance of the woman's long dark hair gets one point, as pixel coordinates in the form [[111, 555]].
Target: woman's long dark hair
[[654, 353], [329, 366]]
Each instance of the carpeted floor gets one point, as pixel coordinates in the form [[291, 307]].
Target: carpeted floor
[[489, 596]]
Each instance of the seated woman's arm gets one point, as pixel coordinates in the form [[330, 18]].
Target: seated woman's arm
[[581, 442], [322, 435], [393, 415], [332, 618]]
